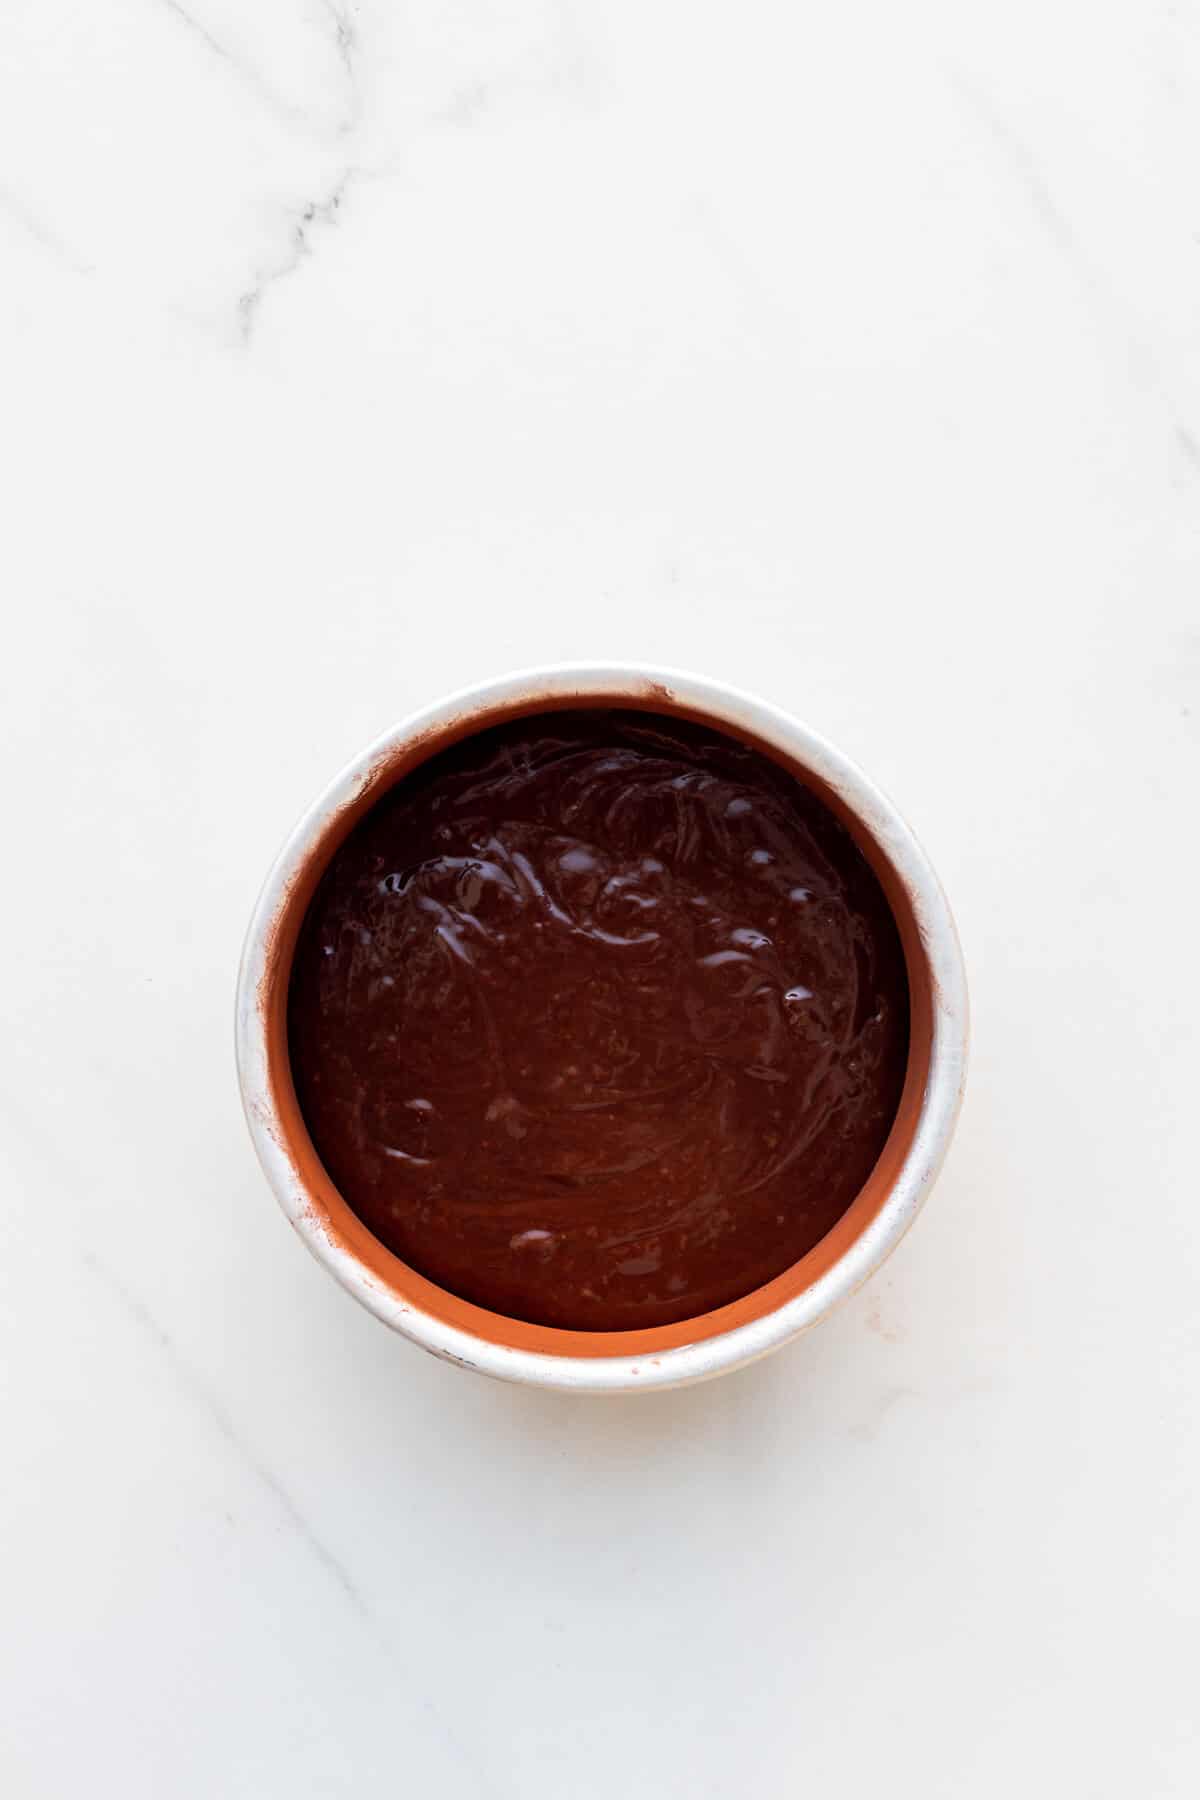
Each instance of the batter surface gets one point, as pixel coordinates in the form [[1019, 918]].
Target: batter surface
[[599, 1020]]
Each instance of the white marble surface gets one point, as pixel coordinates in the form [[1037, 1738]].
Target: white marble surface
[[350, 352]]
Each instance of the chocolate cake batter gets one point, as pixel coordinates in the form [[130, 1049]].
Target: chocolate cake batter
[[599, 1020]]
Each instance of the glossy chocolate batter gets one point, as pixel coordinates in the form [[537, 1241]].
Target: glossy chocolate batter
[[599, 1020]]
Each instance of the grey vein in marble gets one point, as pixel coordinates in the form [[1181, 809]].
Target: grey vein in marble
[[345, 39], [191, 1384], [344, 43], [340, 14], [38, 233], [187, 1379], [324, 211], [202, 32]]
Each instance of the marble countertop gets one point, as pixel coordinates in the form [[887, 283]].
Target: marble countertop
[[350, 353]]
